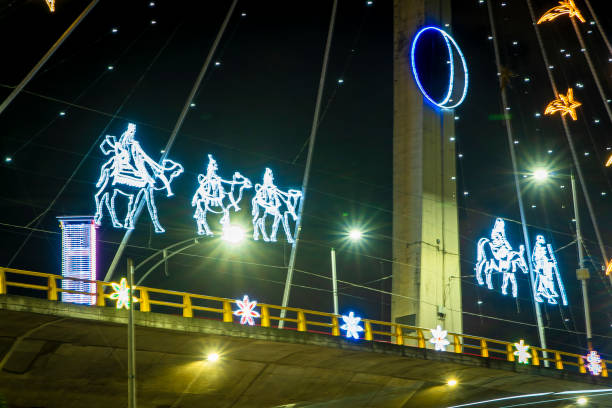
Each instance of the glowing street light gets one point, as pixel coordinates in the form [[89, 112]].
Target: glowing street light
[[355, 235], [581, 401], [540, 174], [452, 382], [233, 234], [212, 357]]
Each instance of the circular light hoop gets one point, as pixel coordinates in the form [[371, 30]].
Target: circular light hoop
[[451, 82]]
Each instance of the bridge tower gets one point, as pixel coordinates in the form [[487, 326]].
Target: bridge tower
[[426, 272]]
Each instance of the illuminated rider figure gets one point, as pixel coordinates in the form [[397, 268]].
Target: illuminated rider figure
[[275, 202], [499, 244], [210, 196], [546, 271]]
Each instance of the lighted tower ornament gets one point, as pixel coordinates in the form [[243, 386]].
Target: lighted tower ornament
[[496, 255], [133, 174], [272, 201], [565, 7], [594, 363], [564, 104], [547, 273], [351, 325], [246, 310], [121, 294], [438, 338], [212, 197], [522, 352]]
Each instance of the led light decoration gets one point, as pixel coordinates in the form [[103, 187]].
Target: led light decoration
[[564, 7], [78, 259], [594, 363], [609, 162], [121, 294], [351, 325], [564, 104], [133, 174], [522, 352], [279, 204], [547, 273], [212, 197], [496, 254], [446, 102], [609, 268], [246, 310], [51, 5], [438, 339]]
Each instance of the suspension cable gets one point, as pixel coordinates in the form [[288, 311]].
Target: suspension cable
[[599, 27]]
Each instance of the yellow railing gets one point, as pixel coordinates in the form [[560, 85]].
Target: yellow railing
[[303, 319]]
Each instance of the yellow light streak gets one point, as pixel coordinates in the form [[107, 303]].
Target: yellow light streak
[[609, 268], [51, 5], [564, 104], [564, 7], [609, 162]]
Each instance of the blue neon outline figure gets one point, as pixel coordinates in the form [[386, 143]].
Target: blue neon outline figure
[[132, 173], [351, 325], [496, 254], [547, 273], [275, 202], [210, 196], [444, 104]]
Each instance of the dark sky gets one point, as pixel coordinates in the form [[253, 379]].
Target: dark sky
[[255, 110]]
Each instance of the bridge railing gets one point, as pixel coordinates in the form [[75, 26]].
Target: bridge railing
[[298, 319]]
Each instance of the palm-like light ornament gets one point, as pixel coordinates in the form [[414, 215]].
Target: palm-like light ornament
[[564, 104], [438, 338], [122, 294], [564, 7], [351, 325], [51, 5], [594, 365], [246, 310], [522, 352]]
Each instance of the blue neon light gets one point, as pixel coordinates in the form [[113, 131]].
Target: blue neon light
[[444, 104]]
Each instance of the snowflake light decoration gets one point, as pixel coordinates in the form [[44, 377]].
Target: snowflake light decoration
[[122, 294], [246, 310], [351, 325], [438, 338], [564, 7], [522, 352], [594, 365], [564, 104]]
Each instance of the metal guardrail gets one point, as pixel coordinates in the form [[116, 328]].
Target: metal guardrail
[[303, 319]]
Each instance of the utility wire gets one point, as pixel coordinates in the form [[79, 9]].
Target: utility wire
[[599, 27]]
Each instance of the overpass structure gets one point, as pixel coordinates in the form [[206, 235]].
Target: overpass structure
[[57, 354]]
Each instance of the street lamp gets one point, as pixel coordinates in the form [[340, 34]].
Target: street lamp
[[233, 234], [582, 273], [354, 235]]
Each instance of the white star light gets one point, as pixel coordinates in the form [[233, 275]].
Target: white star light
[[594, 365], [438, 338], [122, 294], [246, 309], [351, 325], [522, 352]]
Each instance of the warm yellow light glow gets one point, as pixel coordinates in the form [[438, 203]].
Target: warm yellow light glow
[[540, 174], [452, 382], [581, 401], [609, 268], [609, 162], [51, 5], [564, 7], [564, 104], [212, 357], [355, 234]]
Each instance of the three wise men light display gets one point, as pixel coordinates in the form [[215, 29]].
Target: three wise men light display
[[496, 255], [270, 200], [212, 197], [548, 284], [133, 174]]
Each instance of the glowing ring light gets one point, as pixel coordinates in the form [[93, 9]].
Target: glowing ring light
[[444, 104]]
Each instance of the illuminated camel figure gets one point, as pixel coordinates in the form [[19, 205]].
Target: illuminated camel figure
[[132, 173], [496, 254], [275, 202], [211, 196]]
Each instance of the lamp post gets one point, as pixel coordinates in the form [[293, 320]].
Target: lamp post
[[581, 273], [354, 235]]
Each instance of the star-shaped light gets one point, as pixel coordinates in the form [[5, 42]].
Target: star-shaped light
[[51, 5], [246, 310], [351, 325], [122, 294], [438, 338], [564, 7], [594, 365], [564, 104], [522, 352]]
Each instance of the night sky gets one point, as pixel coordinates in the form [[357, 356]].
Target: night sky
[[254, 110]]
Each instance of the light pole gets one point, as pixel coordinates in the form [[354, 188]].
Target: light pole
[[354, 235], [582, 273]]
